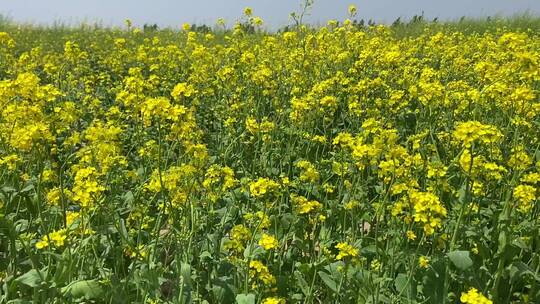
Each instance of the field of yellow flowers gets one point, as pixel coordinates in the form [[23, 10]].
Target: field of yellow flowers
[[341, 164]]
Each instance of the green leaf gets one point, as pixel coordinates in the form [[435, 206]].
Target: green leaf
[[461, 259], [462, 193], [185, 270], [27, 188], [301, 282], [123, 231], [252, 251], [8, 189], [222, 291], [245, 298], [88, 289], [333, 269], [328, 280], [205, 255], [128, 198], [32, 278], [520, 269], [401, 282]]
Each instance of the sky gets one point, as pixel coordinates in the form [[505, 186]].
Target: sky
[[275, 13]]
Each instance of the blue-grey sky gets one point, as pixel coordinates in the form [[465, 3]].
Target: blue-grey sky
[[274, 12]]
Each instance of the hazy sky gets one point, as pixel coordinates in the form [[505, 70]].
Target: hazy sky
[[274, 12]]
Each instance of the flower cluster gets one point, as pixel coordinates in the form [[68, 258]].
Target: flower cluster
[[474, 297]]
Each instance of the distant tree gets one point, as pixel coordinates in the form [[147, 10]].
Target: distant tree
[[150, 27], [284, 29], [202, 28]]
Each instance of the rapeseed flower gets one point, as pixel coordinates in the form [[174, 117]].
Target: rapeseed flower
[[268, 242], [474, 297], [346, 251]]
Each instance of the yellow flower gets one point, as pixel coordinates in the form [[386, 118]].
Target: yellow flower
[[474, 297], [240, 232], [285, 181], [352, 10], [309, 172], [71, 217], [139, 252], [519, 159], [423, 262], [56, 238], [47, 175], [53, 196], [303, 205], [6, 40], [531, 178], [24, 137], [273, 300], [375, 265], [428, 210], [86, 189], [239, 236], [257, 21], [329, 102], [411, 235], [470, 131], [350, 205], [268, 242], [524, 196], [10, 160], [346, 250], [262, 187], [259, 271], [183, 89], [248, 11], [216, 175], [42, 244], [474, 249]]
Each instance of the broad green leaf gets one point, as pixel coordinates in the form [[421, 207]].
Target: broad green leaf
[[27, 188], [88, 289], [328, 280], [245, 298], [32, 278], [461, 259], [401, 282]]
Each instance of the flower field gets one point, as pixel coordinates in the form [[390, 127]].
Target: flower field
[[340, 164]]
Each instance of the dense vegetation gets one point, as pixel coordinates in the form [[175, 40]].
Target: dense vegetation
[[350, 163]]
